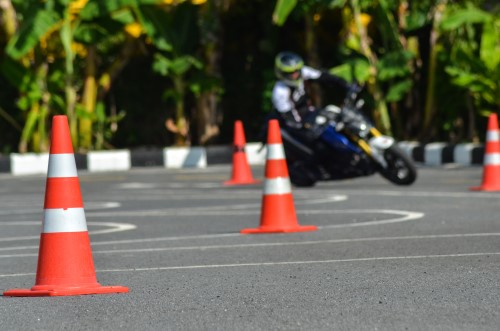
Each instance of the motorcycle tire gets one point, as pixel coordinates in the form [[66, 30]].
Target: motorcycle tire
[[301, 176], [400, 169]]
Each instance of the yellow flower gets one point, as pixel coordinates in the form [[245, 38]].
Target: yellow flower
[[76, 6], [79, 49], [365, 19], [134, 29]]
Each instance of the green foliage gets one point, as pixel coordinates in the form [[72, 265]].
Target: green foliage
[[394, 65], [37, 25], [282, 10], [475, 54], [383, 44], [465, 16], [177, 66], [355, 69], [337, 4]]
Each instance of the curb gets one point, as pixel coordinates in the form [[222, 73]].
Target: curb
[[432, 154]]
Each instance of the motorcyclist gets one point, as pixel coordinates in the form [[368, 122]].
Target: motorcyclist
[[290, 98]]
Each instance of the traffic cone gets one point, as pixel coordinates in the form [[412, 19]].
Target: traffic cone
[[491, 163], [65, 264], [241, 173], [277, 211]]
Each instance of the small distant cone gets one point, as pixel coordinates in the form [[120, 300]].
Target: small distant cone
[[241, 173], [491, 163], [65, 263], [278, 210]]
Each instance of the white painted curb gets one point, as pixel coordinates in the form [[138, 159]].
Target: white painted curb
[[462, 154], [408, 147], [184, 157], [29, 163], [433, 154], [99, 161], [256, 155]]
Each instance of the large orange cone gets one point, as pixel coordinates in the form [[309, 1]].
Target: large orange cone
[[65, 263], [491, 163], [241, 174], [278, 210]]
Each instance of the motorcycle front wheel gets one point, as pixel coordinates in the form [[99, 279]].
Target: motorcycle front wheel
[[400, 169], [300, 175]]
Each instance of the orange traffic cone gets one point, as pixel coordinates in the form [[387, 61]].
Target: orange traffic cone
[[65, 264], [241, 174], [491, 163], [278, 211]]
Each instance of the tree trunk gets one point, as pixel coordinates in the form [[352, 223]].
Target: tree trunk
[[311, 46], [89, 99], [430, 109], [8, 17], [182, 126], [208, 116]]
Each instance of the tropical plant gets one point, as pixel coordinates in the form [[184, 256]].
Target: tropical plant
[[473, 36], [57, 48]]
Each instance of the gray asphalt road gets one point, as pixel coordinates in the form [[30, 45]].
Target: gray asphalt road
[[424, 257]]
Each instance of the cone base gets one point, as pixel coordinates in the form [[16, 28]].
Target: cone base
[[61, 291], [490, 188], [249, 181], [270, 229]]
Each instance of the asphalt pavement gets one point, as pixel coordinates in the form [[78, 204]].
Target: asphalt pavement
[[384, 257]]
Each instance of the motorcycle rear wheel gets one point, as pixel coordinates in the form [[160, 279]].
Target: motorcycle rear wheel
[[400, 169]]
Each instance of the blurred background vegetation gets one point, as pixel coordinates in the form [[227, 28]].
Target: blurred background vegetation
[[154, 73]]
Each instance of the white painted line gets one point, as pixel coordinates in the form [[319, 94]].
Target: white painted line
[[256, 245], [136, 185], [406, 216], [212, 210], [101, 205], [331, 241], [264, 264], [113, 227], [404, 194]]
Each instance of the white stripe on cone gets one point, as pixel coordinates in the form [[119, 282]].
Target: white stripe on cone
[[493, 135], [492, 159], [62, 165], [64, 220], [280, 185], [275, 152]]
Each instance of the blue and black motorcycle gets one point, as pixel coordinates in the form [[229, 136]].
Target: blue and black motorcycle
[[348, 146]]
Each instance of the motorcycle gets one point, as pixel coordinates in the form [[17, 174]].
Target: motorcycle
[[347, 146]]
